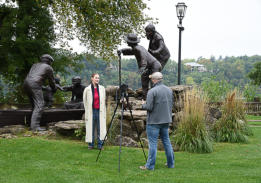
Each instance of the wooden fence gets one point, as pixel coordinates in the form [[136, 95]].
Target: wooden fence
[[253, 108]]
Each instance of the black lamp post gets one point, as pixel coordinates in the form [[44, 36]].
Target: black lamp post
[[181, 11]]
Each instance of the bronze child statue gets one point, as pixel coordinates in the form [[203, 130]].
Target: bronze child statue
[[48, 93], [77, 94]]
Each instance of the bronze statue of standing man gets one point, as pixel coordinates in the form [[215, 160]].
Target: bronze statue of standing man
[[157, 45], [146, 62], [33, 83]]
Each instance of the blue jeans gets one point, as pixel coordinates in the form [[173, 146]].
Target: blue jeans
[[96, 124], [153, 132]]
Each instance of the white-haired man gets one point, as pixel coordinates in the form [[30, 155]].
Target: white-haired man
[[159, 114]]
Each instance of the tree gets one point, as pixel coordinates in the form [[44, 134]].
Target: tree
[[189, 81], [255, 74], [215, 90], [98, 24], [26, 32]]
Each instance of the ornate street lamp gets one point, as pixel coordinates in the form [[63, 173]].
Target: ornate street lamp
[[181, 11]]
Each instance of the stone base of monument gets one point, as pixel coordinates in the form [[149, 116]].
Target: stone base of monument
[[66, 122], [23, 116]]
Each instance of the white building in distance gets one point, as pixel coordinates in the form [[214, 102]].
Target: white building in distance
[[196, 67]]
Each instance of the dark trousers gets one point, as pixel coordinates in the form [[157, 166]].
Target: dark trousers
[[145, 80], [35, 95]]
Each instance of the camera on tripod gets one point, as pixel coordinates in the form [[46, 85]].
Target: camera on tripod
[[123, 90], [121, 94]]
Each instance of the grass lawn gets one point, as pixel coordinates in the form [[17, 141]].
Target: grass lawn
[[252, 117], [254, 123], [41, 160]]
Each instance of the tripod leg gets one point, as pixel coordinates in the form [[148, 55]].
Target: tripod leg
[[122, 110], [108, 130], [136, 129]]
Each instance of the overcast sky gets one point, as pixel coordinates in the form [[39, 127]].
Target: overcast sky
[[212, 27]]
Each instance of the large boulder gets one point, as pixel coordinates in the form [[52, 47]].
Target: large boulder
[[13, 129], [136, 114], [135, 103], [178, 95], [69, 127], [7, 136], [126, 141], [126, 128], [138, 93], [114, 91], [111, 91], [215, 112]]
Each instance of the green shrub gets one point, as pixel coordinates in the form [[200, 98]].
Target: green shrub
[[232, 126], [215, 90], [191, 134], [250, 92], [81, 132]]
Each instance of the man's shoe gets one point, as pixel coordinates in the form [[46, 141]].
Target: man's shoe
[[38, 129], [143, 168], [90, 147], [100, 148], [166, 164]]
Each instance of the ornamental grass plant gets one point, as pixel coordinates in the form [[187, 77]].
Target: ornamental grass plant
[[232, 126], [191, 134]]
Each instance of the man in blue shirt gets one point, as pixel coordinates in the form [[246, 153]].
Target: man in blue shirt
[[159, 114]]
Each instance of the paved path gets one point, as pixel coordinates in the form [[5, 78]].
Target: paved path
[[253, 120]]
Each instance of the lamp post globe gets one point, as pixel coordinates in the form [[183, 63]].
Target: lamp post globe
[[181, 11]]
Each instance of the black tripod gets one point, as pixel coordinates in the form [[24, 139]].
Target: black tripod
[[123, 96]]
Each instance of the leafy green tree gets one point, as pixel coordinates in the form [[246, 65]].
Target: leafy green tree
[[98, 24], [190, 81], [250, 92], [26, 33], [215, 90], [255, 74]]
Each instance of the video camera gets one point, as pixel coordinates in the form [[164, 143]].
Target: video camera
[[123, 89]]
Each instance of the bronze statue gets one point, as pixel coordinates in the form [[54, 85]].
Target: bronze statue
[[157, 46], [77, 94], [33, 83], [146, 62], [48, 93]]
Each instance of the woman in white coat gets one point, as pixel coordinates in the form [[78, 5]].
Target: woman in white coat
[[95, 112]]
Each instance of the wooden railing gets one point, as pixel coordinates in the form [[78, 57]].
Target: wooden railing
[[253, 108]]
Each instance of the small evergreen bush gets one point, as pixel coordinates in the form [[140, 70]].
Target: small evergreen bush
[[191, 134], [232, 126]]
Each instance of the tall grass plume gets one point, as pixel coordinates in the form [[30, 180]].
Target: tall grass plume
[[232, 126], [191, 134]]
